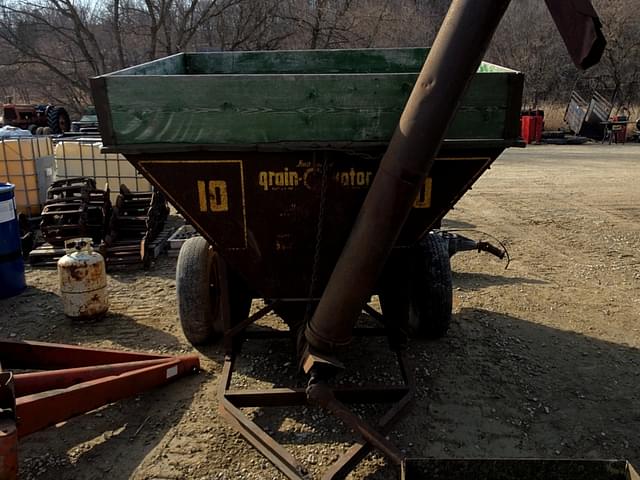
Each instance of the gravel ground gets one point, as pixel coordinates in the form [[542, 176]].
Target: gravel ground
[[542, 359]]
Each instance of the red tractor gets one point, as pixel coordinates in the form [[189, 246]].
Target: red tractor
[[38, 119]]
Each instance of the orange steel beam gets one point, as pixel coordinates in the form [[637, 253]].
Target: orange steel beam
[[49, 356], [41, 410], [73, 380], [36, 382]]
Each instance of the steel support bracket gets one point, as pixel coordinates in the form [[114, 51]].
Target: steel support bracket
[[232, 400]]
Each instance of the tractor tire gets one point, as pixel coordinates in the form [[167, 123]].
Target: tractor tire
[[198, 290], [58, 120], [430, 289], [32, 128]]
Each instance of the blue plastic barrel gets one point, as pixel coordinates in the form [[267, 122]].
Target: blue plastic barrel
[[12, 280]]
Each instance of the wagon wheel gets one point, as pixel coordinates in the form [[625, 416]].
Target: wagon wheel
[[431, 289], [198, 288]]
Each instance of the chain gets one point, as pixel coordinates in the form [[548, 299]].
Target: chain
[[319, 231]]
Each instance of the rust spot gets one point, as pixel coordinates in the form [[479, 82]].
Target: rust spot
[[95, 275], [94, 308], [77, 272]]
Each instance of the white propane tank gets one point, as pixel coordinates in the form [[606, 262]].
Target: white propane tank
[[83, 280]]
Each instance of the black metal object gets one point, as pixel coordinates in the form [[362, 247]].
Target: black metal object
[[74, 208], [459, 243], [135, 221], [268, 233]]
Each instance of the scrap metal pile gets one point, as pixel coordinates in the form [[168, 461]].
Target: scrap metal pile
[[124, 232], [136, 220], [74, 208]]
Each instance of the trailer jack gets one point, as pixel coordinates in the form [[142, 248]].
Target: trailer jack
[[66, 381]]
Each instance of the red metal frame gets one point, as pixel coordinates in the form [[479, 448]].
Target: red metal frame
[[70, 381]]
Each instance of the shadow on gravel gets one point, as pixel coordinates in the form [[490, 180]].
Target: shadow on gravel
[[162, 267], [501, 386], [37, 314], [495, 386], [448, 224], [122, 330], [110, 442], [473, 281]]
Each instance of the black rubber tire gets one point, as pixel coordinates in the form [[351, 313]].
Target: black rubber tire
[[431, 289], [198, 293], [32, 128], [58, 120]]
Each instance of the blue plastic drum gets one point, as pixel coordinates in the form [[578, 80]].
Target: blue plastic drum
[[12, 280]]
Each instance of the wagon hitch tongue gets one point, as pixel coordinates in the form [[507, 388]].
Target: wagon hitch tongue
[[459, 243]]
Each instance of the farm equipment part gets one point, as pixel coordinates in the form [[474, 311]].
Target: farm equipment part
[[136, 221], [75, 208], [287, 164], [38, 119], [64, 381], [88, 123], [635, 136], [588, 119], [130, 232], [459, 243]]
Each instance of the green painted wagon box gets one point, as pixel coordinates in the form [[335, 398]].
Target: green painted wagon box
[[267, 97], [245, 143]]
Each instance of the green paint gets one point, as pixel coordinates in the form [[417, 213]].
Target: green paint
[[246, 98], [173, 65]]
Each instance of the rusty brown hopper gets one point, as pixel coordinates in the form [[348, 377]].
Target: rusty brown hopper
[[237, 141]]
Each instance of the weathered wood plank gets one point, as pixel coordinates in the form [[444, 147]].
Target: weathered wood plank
[[173, 65], [380, 60], [398, 60], [246, 109]]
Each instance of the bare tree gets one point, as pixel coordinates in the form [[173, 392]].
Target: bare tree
[[49, 48], [620, 66]]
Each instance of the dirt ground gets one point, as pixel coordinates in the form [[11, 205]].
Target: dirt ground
[[542, 359]]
